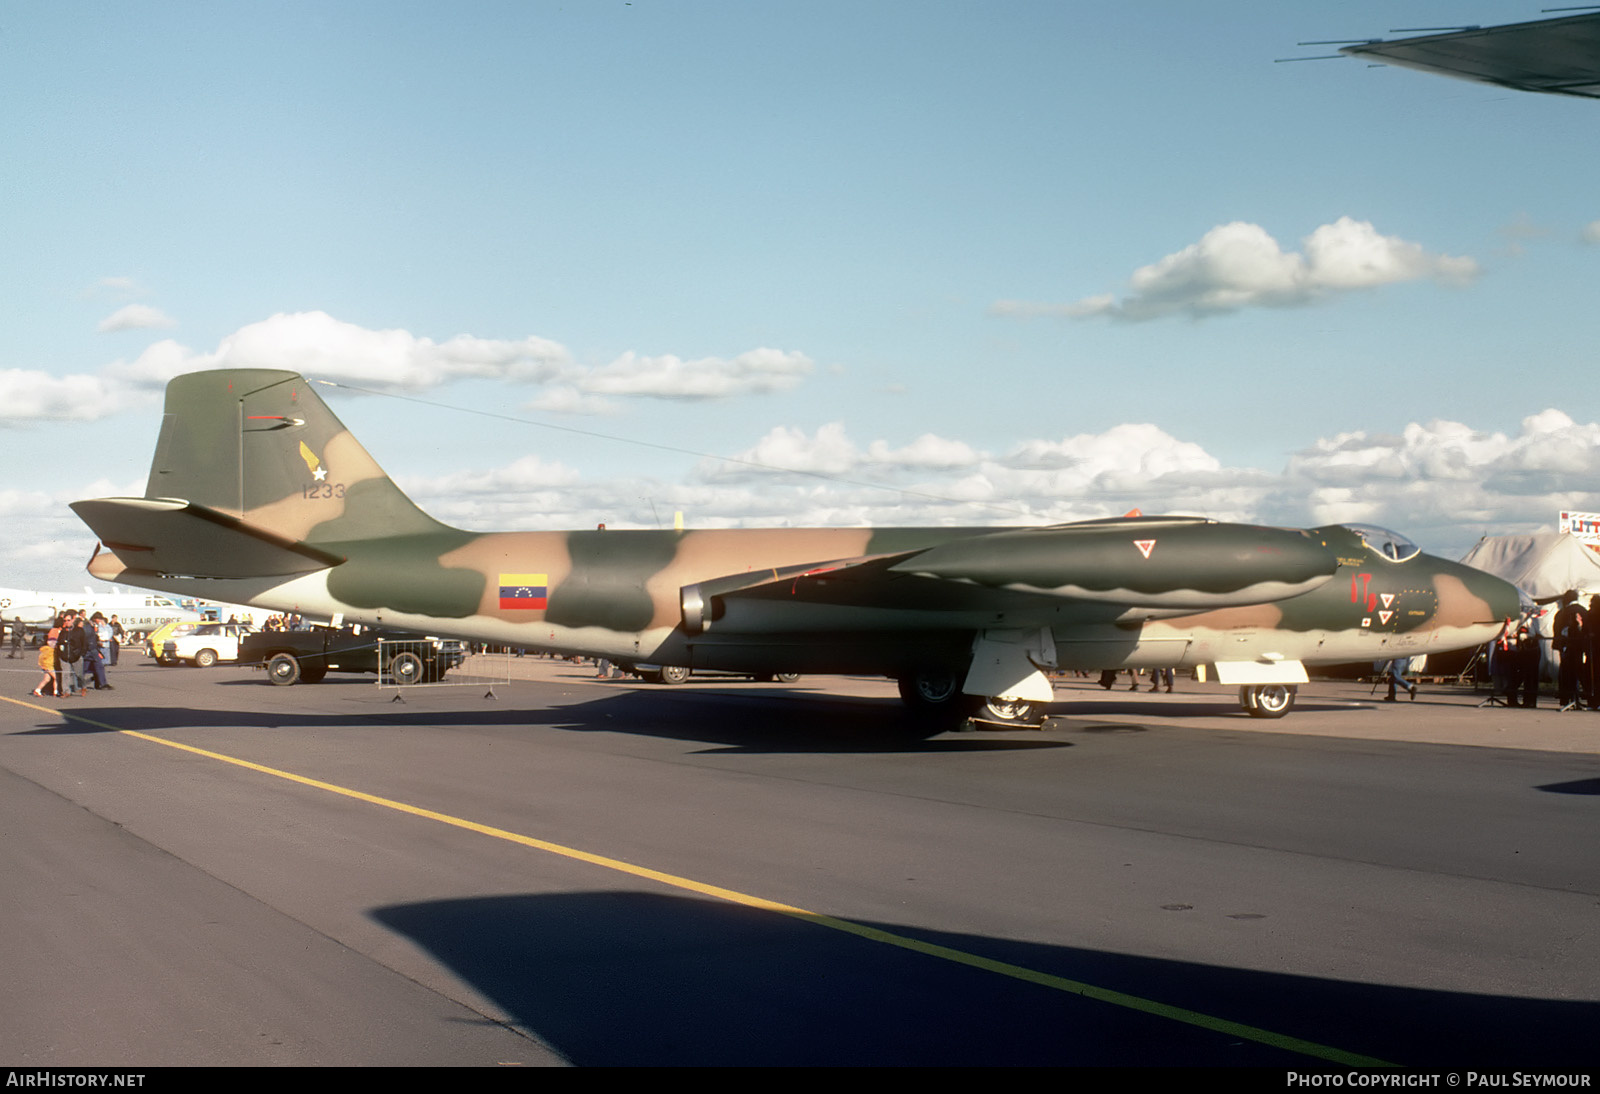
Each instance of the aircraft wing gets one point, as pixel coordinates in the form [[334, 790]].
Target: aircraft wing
[[1555, 56]]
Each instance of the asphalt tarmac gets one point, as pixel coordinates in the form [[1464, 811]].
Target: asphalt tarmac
[[203, 869]]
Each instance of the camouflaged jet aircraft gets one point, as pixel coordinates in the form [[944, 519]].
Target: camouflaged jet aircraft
[[259, 495]]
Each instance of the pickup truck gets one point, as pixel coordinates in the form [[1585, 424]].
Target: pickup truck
[[205, 645], [306, 656]]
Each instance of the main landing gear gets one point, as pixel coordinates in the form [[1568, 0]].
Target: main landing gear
[[935, 703], [1267, 700]]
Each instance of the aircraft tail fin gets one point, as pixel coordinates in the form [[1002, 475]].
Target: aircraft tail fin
[[261, 446], [252, 473]]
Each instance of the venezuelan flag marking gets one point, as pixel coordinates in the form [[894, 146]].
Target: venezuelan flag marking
[[524, 591]]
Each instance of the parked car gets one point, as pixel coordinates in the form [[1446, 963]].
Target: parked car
[[158, 637], [205, 645], [306, 656]]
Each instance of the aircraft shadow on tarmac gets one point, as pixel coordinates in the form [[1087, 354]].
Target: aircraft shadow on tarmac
[[630, 978], [1576, 786], [754, 720], [770, 721]]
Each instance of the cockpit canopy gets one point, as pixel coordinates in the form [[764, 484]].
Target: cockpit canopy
[[1381, 541]]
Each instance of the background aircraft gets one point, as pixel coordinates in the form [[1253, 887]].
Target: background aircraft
[[259, 495], [141, 612]]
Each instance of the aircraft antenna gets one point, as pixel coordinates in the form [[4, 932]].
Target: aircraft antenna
[[1328, 42], [757, 464]]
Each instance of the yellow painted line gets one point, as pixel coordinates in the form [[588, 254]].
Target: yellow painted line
[[860, 930]]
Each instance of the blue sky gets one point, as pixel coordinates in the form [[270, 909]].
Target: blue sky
[[896, 243]]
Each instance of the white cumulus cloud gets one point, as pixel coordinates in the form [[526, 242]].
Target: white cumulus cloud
[[135, 317], [317, 344], [927, 451], [32, 395], [758, 371], [322, 347], [1240, 265], [828, 451]]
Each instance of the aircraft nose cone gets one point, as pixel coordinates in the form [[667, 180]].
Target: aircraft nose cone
[[1472, 599]]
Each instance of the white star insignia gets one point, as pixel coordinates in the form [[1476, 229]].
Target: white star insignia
[[320, 473]]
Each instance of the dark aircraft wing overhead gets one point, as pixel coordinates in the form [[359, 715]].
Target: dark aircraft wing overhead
[[172, 536], [1556, 56]]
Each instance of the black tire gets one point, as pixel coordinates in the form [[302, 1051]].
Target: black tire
[[206, 658], [787, 677], [283, 669], [406, 669], [934, 701], [673, 674], [933, 688]]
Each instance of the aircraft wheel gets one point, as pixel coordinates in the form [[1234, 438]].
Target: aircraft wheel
[[406, 668], [1016, 712], [935, 687], [1270, 700], [283, 669], [674, 674], [206, 658], [934, 700]]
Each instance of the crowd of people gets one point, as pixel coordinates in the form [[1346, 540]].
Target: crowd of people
[[1516, 657], [78, 650], [278, 622]]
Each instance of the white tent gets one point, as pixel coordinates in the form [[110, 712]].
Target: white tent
[[1543, 565]]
